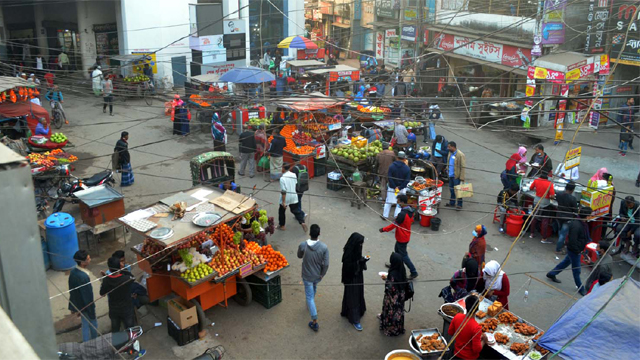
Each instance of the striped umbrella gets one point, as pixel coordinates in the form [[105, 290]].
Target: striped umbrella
[[297, 42]]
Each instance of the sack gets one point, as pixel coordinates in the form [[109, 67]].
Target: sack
[[264, 162], [464, 190], [303, 179]]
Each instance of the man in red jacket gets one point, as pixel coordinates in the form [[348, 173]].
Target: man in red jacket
[[470, 339], [402, 225]]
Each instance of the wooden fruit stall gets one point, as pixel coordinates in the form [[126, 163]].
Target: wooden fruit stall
[[194, 247]]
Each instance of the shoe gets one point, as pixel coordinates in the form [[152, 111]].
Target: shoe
[[111, 114], [240, 174], [582, 291], [531, 236], [545, 241], [314, 326], [458, 208], [251, 176], [412, 276], [281, 228], [379, 316], [66, 122], [448, 205], [387, 265], [501, 230], [623, 154], [554, 279], [358, 327], [141, 353]]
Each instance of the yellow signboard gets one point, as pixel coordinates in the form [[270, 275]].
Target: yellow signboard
[[573, 158], [150, 58], [598, 200]]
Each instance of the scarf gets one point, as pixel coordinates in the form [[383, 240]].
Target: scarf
[[599, 174], [397, 271], [352, 254], [491, 271]]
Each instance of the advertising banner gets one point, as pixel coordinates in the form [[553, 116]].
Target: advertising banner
[[595, 34], [552, 29], [408, 33], [622, 15], [484, 50], [384, 8], [379, 45], [547, 74]]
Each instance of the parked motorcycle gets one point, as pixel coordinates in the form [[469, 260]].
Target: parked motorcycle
[[68, 188], [108, 346]]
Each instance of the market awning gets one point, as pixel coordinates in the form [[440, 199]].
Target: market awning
[[563, 62], [128, 58], [303, 63], [332, 69], [207, 78], [341, 25], [311, 102], [487, 63], [25, 108], [384, 24], [9, 82]]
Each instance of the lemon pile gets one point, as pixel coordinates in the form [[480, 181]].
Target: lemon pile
[[197, 272]]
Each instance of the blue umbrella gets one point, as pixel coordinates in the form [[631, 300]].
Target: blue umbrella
[[247, 75]]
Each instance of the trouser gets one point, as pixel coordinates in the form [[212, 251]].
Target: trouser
[[53, 106], [390, 201], [89, 332], [544, 227], [562, 236], [401, 248], [117, 320], [310, 288], [97, 91], [623, 230], [572, 259], [452, 184], [503, 215], [108, 100], [439, 163], [295, 210], [300, 200], [250, 158], [623, 146]]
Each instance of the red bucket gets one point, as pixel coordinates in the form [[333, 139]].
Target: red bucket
[[425, 220]]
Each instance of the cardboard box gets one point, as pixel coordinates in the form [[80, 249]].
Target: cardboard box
[[182, 312]]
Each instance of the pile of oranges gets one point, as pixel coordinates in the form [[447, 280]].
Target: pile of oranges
[[275, 259], [287, 131], [252, 245]]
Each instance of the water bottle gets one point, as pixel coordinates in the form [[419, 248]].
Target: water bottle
[[526, 295]]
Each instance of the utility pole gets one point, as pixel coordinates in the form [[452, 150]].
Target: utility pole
[[419, 36], [399, 34]]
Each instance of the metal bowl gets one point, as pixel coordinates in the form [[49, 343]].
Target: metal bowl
[[206, 219], [401, 353], [162, 233], [464, 311]]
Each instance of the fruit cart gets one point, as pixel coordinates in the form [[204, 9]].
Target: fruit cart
[[196, 248]]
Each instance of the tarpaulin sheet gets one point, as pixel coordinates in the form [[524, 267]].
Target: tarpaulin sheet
[[22, 108], [614, 334]]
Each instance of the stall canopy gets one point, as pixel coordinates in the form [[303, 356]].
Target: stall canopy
[[616, 330], [311, 102], [31, 110], [207, 78], [337, 68], [563, 61], [10, 82], [304, 63]]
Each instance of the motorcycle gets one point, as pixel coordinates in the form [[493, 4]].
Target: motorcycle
[[68, 188], [108, 346]]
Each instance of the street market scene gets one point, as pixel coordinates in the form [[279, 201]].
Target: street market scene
[[288, 179]]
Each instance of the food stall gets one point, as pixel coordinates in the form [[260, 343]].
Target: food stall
[[18, 115], [598, 197], [509, 336], [132, 83], [299, 67], [333, 74]]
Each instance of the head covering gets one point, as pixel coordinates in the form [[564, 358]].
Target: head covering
[[491, 271], [479, 231], [599, 174], [397, 271], [176, 96], [385, 145], [352, 254], [522, 151], [402, 155], [470, 266]]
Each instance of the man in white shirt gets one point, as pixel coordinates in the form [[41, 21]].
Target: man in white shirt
[[289, 198], [96, 79]]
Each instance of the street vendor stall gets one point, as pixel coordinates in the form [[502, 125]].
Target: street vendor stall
[[18, 114], [333, 74], [132, 83], [299, 67]]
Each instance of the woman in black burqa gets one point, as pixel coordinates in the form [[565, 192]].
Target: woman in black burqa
[[392, 316], [353, 265]]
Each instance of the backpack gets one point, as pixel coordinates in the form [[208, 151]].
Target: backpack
[[408, 294], [435, 114], [303, 179]]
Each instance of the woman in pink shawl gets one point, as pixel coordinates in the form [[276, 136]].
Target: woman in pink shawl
[[509, 175]]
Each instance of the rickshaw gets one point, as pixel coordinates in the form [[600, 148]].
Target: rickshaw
[[215, 168]]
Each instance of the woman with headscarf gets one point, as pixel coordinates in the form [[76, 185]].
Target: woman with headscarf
[[470, 268], [261, 142], [500, 287], [510, 173], [392, 316], [353, 266], [219, 133], [478, 245], [598, 176]]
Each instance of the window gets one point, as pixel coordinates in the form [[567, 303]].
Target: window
[[236, 46]]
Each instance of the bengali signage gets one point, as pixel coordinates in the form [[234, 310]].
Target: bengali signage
[[484, 50], [595, 34], [579, 73], [384, 8], [379, 45], [573, 158], [408, 33], [623, 19], [548, 74]]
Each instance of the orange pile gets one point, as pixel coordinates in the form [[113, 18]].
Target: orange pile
[[287, 131], [275, 259], [252, 245]]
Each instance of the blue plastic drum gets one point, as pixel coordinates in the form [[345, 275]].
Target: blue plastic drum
[[45, 254], [62, 240]]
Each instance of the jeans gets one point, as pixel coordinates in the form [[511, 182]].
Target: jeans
[[89, 332], [116, 321], [562, 236], [310, 294], [452, 183], [295, 210], [572, 259], [108, 100], [401, 248], [250, 158], [623, 146]]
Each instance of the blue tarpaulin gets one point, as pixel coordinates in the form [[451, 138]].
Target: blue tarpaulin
[[614, 334]]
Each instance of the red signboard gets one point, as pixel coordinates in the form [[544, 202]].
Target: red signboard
[[444, 42], [515, 56]]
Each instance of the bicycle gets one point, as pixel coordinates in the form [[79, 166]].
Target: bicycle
[[147, 93], [57, 117]]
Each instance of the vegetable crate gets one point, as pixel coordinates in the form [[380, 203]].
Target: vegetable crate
[[182, 337], [268, 293]]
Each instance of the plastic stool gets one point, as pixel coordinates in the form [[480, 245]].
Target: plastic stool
[[496, 218]]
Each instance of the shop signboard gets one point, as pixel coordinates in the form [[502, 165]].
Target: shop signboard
[[431, 5], [623, 17], [595, 34], [425, 39], [552, 27], [234, 27], [598, 200], [384, 8], [604, 65], [484, 50], [408, 33], [579, 73], [515, 56], [444, 42], [390, 34], [379, 45], [552, 33], [548, 74], [325, 7], [573, 158], [357, 9]]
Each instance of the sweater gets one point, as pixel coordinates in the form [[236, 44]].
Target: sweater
[[118, 286], [315, 260], [277, 146], [79, 299], [578, 236], [402, 225], [399, 175], [468, 343]]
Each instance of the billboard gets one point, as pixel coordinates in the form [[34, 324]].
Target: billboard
[[622, 17]]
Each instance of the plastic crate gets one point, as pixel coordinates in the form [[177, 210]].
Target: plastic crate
[[182, 337], [267, 293], [319, 167], [270, 299]]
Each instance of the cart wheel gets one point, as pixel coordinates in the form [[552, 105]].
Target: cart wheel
[[148, 97], [244, 295], [201, 316]]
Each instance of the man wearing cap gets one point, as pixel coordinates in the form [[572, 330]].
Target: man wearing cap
[[81, 295], [399, 175], [384, 159], [96, 79]]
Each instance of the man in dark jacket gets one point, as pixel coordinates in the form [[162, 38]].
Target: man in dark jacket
[[629, 211], [247, 151], [81, 295], [577, 240], [440, 153], [626, 117], [275, 152], [402, 225], [567, 210], [118, 286], [124, 159], [540, 162], [398, 177]]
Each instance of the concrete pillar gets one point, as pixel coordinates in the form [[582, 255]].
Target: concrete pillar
[[244, 16], [87, 44], [3, 38], [41, 32]]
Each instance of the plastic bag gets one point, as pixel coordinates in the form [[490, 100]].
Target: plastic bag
[[264, 162]]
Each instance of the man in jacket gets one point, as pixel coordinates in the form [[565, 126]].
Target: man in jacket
[[576, 241], [275, 151], [384, 159], [440, 152], [81, 295], [399, 176], [315, 264], [124, 159], [626, 117], [456, 164], [289, 198], [402, 225], [401, 134], [247, 151], [540, 162], [629, 211], [118, 286], [567, 211]]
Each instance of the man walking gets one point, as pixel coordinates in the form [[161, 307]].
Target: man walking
[[123, 159], [107, 93], [577, 240], [247, 151], [402, 225], [401, 134], [384, 159], [626, 118], [567, 210], [457, 164], [96, 80], [118, 286], [81, 295], [399, 176], [315, 264], [289, 197]]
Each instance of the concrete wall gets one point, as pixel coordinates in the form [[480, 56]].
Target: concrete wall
[[148, 25], [89, 14]]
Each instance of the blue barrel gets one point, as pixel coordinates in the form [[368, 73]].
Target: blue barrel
[[45, 254], [62, 240]]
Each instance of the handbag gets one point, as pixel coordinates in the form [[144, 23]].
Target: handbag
[[464, 190], [264, 163]]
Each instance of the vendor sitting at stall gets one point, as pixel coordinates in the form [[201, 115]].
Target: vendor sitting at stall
[[470, 339], [42, 128], [507, 198]]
